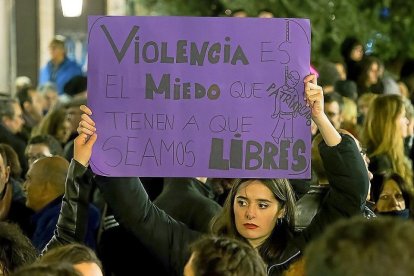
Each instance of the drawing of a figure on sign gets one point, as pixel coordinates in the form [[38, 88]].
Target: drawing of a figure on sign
[[285, 108]]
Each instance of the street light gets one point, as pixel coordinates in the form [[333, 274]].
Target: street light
[[71, 8]]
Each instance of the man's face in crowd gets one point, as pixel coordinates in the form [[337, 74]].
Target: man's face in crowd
[[15, 124]]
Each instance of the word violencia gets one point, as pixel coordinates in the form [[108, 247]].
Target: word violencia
[[185, 51]]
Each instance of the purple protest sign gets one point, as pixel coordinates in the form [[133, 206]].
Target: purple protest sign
[[191, 96]]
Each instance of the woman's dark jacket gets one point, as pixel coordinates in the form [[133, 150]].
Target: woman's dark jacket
[[169, 239], [348, 182]]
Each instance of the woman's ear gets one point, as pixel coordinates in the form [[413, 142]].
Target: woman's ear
[[7, 172], [282, 213]]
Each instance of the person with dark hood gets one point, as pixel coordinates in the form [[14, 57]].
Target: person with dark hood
[[352, 51]]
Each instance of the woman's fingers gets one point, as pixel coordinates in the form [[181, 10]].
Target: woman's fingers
[[91, 140], [85, 109], [83, 130], [311, 78], [87, 119], [313, 93], [311, 89], [86, 125]]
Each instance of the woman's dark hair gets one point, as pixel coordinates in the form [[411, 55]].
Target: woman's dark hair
[[364, 67], [224, 222], [347, 45]]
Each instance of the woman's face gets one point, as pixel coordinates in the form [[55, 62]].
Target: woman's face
[[402, 123], [357, 53], [373, 73], [256, 211], [63, 132], [363, 108], [51, 98], [391, 198]]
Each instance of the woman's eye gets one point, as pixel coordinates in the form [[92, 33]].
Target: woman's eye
[[398, 196], [241, 202], [384, 197], [263, 205]]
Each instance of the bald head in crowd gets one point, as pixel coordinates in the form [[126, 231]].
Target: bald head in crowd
[[45, 181]]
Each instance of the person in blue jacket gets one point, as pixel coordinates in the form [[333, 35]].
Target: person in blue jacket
[[59, 69]]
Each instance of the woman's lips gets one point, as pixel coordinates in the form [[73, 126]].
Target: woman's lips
[[250, 226]]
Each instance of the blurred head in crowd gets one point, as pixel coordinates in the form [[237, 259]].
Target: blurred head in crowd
[[31, 102], [42, 146], [222, 256], [333, 104], [76, 87], [80, 256], [352, 49], [11, 115], [394, 196], [358, 247], [265, 14], [45, 181], [22, 81], [12, 161], [50, 96], [55, 123], [57, 49], [239, 13], [16, 250], [74, 113]]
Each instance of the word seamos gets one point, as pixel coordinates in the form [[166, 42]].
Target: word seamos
[[154, 152]]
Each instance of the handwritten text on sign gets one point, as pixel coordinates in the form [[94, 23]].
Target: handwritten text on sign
[[187, 96]]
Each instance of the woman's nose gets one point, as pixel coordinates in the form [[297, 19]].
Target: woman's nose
[[250, 213]]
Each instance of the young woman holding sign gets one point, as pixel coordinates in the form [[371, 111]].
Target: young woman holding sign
[[259, 212]]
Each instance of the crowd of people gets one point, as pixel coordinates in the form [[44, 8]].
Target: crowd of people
[[58, 218]]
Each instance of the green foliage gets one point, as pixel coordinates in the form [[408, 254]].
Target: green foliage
[[392, 36]]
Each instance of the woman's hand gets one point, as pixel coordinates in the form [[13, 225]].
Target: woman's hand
[[314, 99], [314, 96], [83, 144]]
